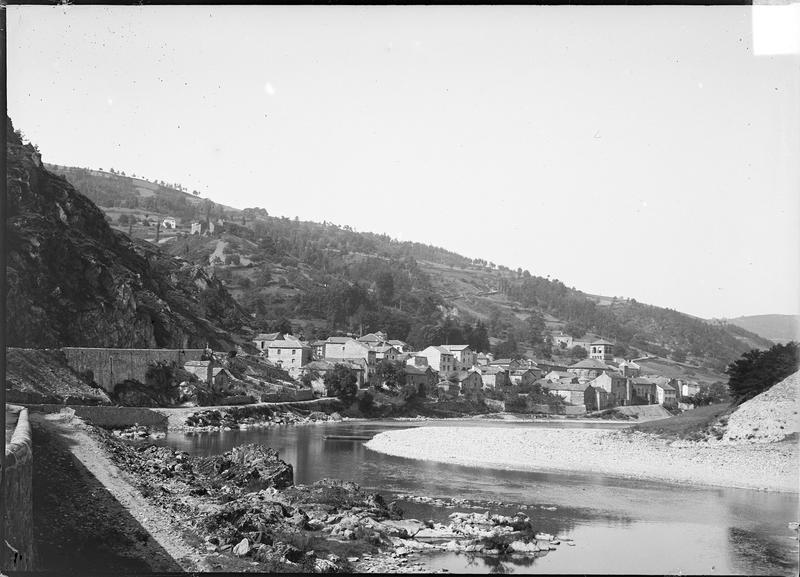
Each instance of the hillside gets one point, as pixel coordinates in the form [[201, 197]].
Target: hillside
[[73, 280], [323, 278], [776, 328]]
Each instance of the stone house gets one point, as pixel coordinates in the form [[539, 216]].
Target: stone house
[[548, 365], [222, 379], [524, 376], [561, 340], [687, 389], [471, 384], [556, 376], [445, 390], [373, 338], [572, 392], [318, 350], [347, 348], [595, 398], [169, 222], [400, 346], [588, 369], [440, 360], [197, 228], [666, 392], [387, 352], [617, 387], [423, 379], [630, 369], [263, 340], [463, 354], [493, 377], [644, 390], [288, 354], [483, 359]]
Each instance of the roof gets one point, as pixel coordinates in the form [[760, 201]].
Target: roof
[[395, 342], [642, 381], [501, 362], [665, 386], [456, 347], [464, 375], [287, 345], [491, 370], [196, 363], [268, 336], [590, 364], [383, 348], [318, 366], [438, 348], [601, 342], [412, 370], [370, 338], [338, 340], [560, 374], [562, 386]]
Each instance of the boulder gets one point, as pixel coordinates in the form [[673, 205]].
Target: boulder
[[242, 548]]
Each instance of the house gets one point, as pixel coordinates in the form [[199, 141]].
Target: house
[[169, 222], [373, 338], [417, 360], [387, 352], [666, 392], [334, 344], [524, 376], [400, 346], [483, 359], [561, 340], [423, 379], [197, 228], [617, 387], [471, 384], [203, 370], [222, 379], [263, 340], [555, 376], [630, 369], [602, 350], [572, 392], [644, 390], [588, 369], [318, 350], [502, 363], [349, 349], [445, 390], [595, 398], [440, 359], [494, 377], [688, 389], [288, 354], [463, 354]]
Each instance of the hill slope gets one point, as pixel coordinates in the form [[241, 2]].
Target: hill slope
[[327, 278], [777, 328], [73, 280]]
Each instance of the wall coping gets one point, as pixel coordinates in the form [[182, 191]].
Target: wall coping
[[20, 448]]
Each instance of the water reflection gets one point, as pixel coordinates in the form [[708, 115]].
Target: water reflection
[[618, 525]]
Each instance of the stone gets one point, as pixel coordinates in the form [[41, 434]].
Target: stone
[[544, 536], [242, 548], [522, 547]]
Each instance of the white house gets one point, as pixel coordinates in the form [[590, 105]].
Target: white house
[[465, 357], [169, 222], [440, 359]]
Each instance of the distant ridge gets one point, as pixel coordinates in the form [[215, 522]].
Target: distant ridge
[[777, 328]]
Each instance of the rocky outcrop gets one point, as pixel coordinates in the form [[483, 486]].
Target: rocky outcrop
[[73, 280]]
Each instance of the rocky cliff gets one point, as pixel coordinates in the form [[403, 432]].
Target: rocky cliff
[[72, 280]]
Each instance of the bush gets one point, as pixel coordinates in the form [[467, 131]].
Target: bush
[[758, 370]]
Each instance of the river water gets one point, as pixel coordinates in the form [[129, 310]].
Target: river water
[[618, 525]]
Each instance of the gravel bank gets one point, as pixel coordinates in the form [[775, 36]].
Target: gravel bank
[[772, 466]]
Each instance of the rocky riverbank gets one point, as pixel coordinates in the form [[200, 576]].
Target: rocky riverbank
[[763, 466], [242, 506]]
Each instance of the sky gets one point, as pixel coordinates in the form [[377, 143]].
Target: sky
[[643, 152]]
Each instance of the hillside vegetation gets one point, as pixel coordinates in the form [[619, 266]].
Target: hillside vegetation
[[73, 280], [321, 278]]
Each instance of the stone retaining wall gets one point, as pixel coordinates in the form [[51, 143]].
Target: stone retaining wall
[[112, 366], [111, 417], [17, 497]]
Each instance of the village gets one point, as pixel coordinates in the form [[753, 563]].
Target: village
[[447, 372]]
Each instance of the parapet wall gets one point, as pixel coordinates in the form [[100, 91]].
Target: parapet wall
[[17, 497], [112, 366], [110, 417]]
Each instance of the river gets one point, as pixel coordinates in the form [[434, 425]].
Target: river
[[618, 525]]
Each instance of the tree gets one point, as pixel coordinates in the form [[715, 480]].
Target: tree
[[391, 373], [535, 328], [341, 381], [578, 352], [123, 219], [282, 325], [574, 329], [758, 370]]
